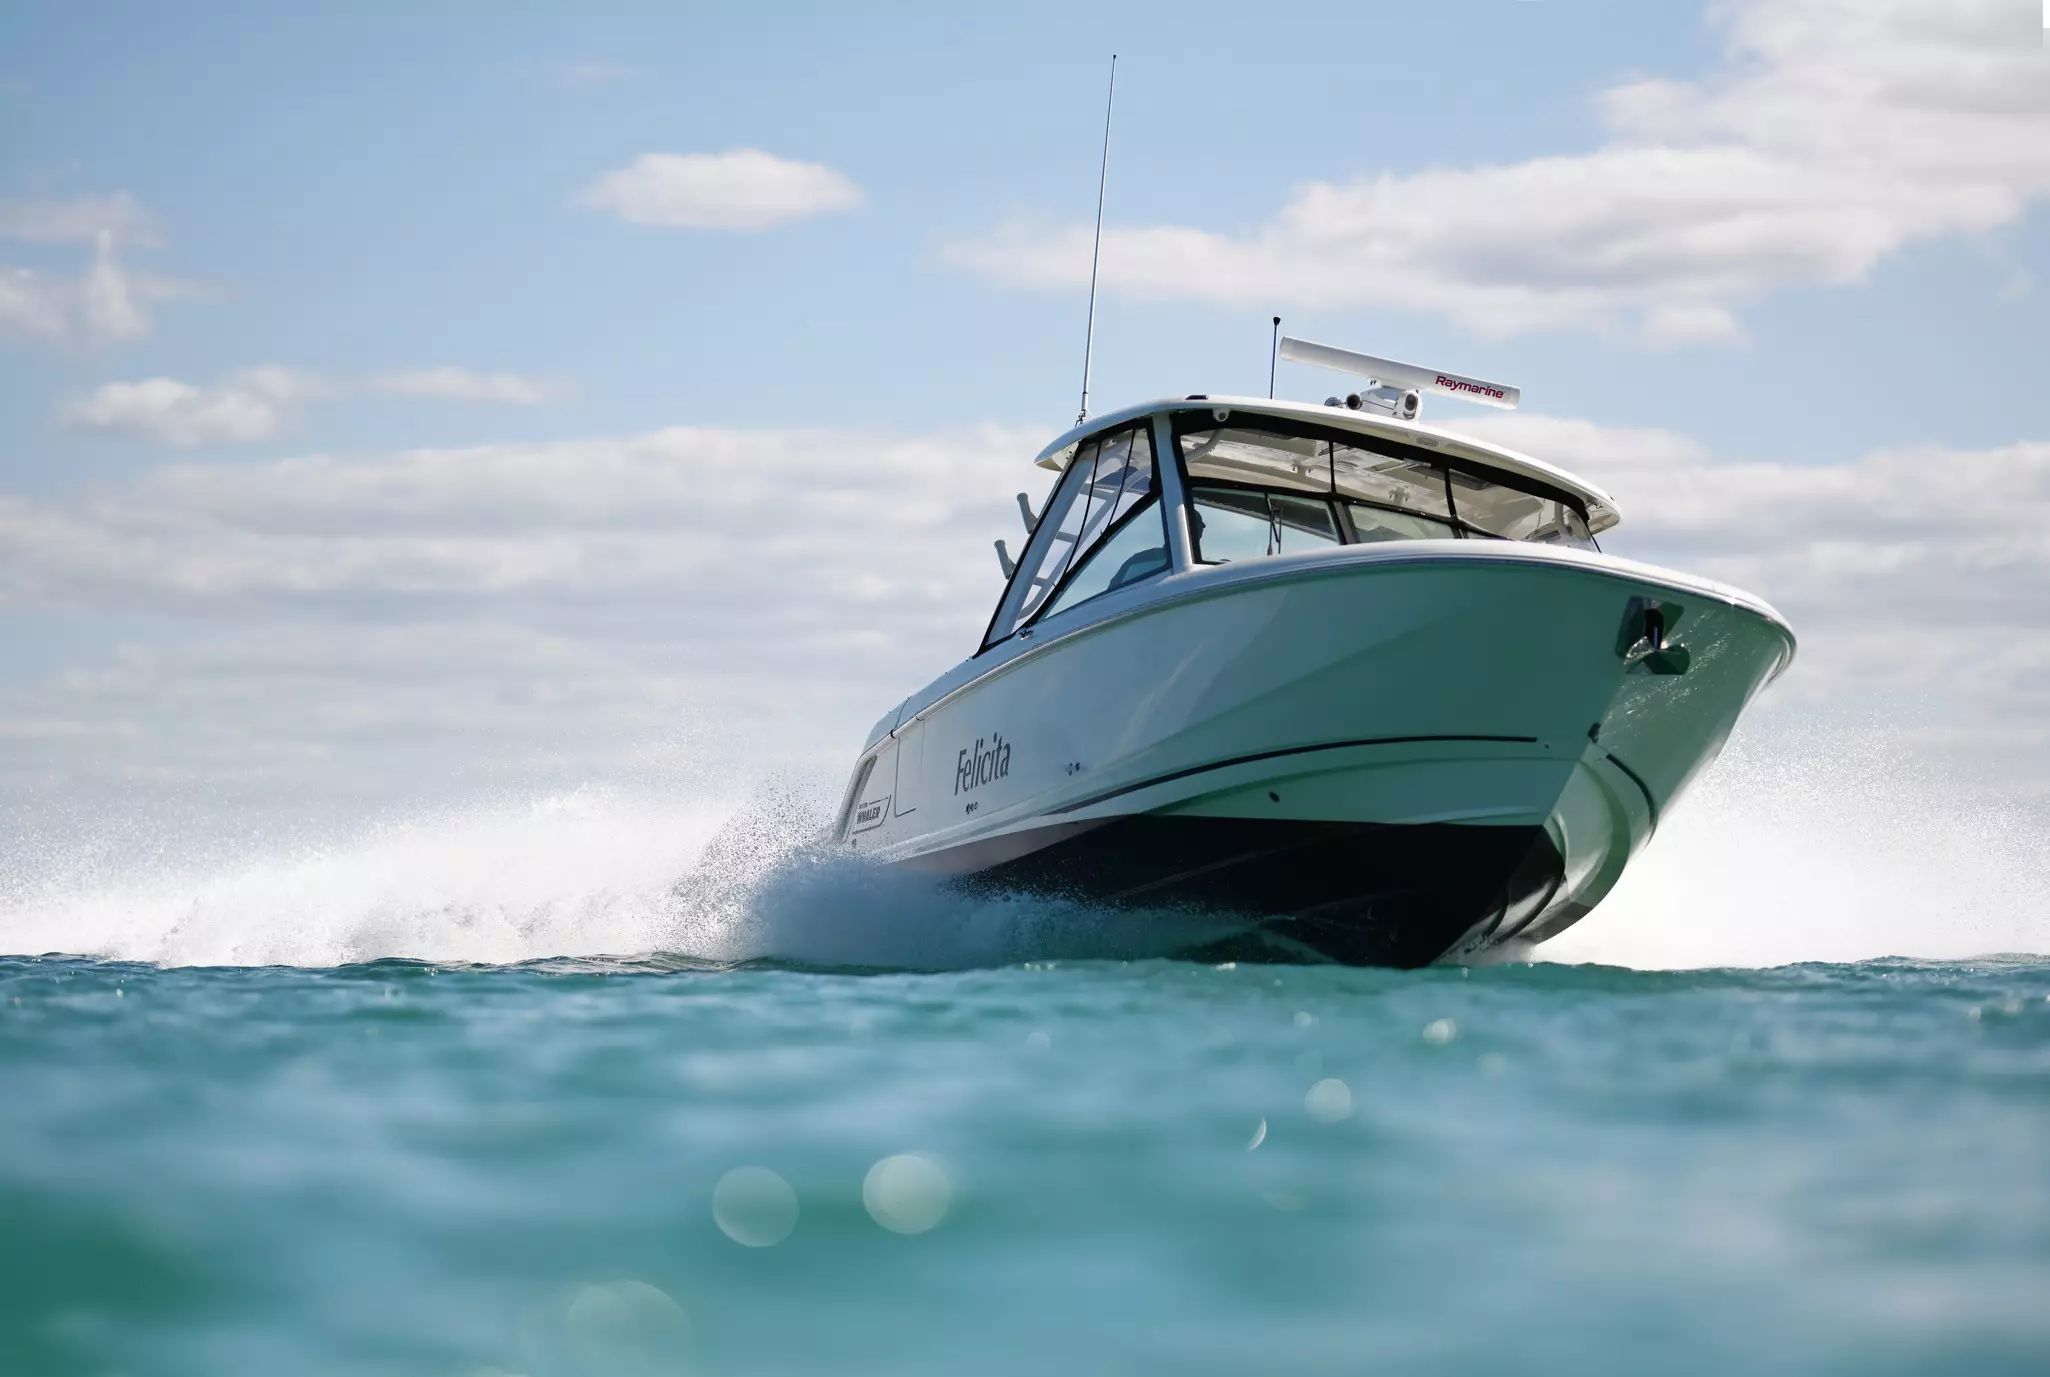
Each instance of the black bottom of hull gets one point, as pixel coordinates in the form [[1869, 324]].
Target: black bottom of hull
[[1358, 893]]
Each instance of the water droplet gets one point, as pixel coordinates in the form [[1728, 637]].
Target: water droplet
[[1440, 1031], [907, 1194], [1259, 1136], [1304, 1018], [1037, 1041], [1329, 1100], [625, 1327], [754, 1206]]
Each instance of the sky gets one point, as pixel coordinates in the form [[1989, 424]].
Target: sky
[[401, 404]]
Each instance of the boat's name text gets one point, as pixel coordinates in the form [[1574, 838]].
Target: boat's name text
[[988, 760]]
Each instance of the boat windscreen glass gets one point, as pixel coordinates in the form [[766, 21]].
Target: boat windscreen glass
[[1104, 499], [1387, 480], [1493, 509], [1230, 523], [1358, 488], [1136, 550]]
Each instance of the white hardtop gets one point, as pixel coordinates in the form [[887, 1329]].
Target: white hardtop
[[1601, 508]]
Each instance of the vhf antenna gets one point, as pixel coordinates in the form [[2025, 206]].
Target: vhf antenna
[[1096, 253], [1273, 357]]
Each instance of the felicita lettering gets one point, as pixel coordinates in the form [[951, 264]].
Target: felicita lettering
[[1463, 385], [990, 760]]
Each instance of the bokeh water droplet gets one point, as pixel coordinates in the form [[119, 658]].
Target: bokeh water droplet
[[754, 1206], [1440, 1031], [1329, 1100], [907, 1194], [625, 1329]]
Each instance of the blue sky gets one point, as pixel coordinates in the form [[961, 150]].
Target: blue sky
[[360, 194], [389, 210]]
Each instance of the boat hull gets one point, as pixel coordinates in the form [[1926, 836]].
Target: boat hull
[[1372, 756]]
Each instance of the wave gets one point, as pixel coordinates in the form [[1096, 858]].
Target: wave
[[1789, 851], [590, 873], [1826, 846]]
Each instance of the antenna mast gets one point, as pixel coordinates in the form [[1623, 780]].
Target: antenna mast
[[1096, 253]]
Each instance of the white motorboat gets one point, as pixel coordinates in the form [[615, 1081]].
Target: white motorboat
[[1366, 686]]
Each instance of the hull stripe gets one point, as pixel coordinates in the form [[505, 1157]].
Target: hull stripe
[[1642, 787], [1173, 775]]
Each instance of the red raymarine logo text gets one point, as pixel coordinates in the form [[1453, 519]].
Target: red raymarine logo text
[[1462, 385]]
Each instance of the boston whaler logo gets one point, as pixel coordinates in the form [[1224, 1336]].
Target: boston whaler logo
[[989, 760]]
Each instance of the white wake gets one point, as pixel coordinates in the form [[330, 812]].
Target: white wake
[[1785, 853], [1825, 847]]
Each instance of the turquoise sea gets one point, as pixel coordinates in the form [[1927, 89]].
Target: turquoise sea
[[851, 1123], [603, 1167]]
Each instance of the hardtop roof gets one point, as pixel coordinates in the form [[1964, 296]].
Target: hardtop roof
[[1602, 512]]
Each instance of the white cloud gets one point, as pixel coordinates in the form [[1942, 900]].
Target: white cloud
[[781, 523], [564, 607], [263, 403], [745, 189], [463, 385], [253, 406], [109, 303], [1836, 133], [541, 609]]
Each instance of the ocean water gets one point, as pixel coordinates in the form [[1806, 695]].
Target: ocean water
[[387, 1105]]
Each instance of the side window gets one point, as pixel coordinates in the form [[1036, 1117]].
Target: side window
[[1372, 524], [1136, 550], [1105, 482], [1498, 510], [854, 788], [1233, 524]]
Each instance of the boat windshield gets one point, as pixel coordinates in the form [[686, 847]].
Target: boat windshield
[[1102, 530], [1268, 486]]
